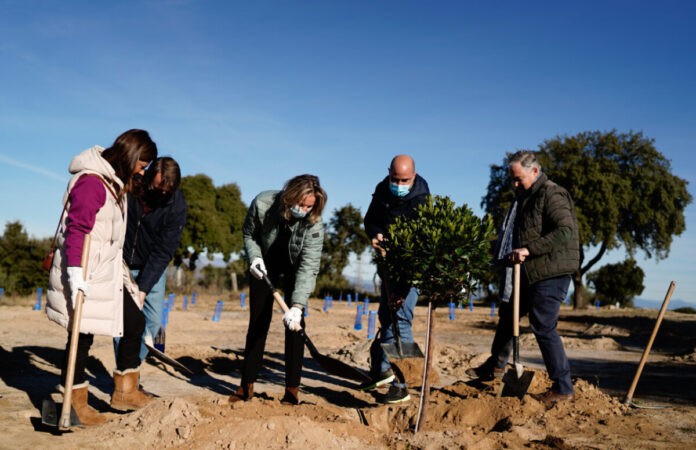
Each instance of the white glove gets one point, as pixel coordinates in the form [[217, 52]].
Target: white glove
[[77, 282], [292, 318], [256, 272]]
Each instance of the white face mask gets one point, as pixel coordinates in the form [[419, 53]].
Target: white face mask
[[297, 212]]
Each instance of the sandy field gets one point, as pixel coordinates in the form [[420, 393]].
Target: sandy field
[[604, 347]]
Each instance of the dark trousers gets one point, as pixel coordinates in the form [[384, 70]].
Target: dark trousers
[[542, 300], [127, 356], [260, 313]]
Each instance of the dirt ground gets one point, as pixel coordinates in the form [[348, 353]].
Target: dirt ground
[[604, 348]]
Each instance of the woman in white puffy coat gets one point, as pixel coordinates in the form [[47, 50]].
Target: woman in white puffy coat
[[95, 204]]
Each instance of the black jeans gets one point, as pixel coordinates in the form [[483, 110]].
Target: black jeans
[[128, 348], [542, 300], [260, 313]]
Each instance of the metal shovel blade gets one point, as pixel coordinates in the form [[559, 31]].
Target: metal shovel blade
[[515, 384], [408, 350], [50, 415], [164, 358]]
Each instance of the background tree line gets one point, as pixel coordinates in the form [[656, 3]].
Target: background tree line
[[624, 192]]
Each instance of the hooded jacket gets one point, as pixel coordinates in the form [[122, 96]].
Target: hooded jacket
[[153, 237], [385, 207], [107, 275], [260, 230]]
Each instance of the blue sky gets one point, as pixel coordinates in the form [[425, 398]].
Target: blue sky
[[257, 92]]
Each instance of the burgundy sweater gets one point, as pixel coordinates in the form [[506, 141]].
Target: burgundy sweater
[[87, 196]]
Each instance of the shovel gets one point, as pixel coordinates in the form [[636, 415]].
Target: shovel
[[163, 357], [49, 409], [516, 381], [331, 365], [398, 349]]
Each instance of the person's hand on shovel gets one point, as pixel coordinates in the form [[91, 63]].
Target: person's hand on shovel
[[292, 318], [518, 255], [77, 282], [258, 268], [375, 244], [395, 301]]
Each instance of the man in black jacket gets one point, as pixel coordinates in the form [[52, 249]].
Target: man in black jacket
[[156, 219], [399, 194], [540, 232]]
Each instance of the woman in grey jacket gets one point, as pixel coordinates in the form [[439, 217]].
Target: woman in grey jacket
[[283, 237]]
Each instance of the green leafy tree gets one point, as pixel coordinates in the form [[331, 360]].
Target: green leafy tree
[[344, 235], [623, 190], [20, 260], [619, 282], [213, 221], [440, 250]]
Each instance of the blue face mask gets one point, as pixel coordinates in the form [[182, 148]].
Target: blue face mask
[[400, 190], [297, 212]]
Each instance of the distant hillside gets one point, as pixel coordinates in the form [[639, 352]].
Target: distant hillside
[[657, 304]]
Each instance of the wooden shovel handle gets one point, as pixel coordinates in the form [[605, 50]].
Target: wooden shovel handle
[[516, 301], [64, 422], [276, 295], [644, 358]]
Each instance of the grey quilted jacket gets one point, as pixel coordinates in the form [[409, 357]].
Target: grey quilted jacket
[[260, 230]]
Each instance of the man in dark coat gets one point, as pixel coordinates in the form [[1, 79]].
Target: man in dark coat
[[399, 194], [540, 232], [156, 219]]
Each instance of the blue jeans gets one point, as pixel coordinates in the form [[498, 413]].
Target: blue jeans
[[153, 308], [542, 300], [404, 317]]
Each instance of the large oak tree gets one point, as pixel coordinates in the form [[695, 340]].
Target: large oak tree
[[624, 191]]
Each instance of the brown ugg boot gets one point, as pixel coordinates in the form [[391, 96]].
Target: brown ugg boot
[[244, 392], [126, 393], [290, 397], [78, 400]]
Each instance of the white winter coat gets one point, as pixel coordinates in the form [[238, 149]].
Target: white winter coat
[[107, 274]]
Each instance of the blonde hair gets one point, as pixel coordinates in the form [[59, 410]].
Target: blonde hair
[[298, 188]]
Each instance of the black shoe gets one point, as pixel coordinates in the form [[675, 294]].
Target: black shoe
[[377, 380], [485, 371], [396, 395]]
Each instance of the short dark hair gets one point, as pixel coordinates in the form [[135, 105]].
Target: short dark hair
[[169, 168]]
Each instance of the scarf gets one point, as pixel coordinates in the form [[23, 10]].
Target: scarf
[[503, 247]]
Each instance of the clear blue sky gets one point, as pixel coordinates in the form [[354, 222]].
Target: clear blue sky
[[257, 92]]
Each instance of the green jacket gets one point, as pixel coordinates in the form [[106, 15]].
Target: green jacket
[[546, 225], [260, 230]]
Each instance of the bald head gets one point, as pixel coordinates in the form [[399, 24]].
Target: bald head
[[402, 172], [402, 163]]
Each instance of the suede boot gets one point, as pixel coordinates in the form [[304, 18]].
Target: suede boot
[[244, 392], [127, 394], [87, 415], [290, 397]]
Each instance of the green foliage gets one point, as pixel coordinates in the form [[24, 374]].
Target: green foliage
[[619, 282], [440, 250], [344, 235], [213, 221], [20, 260], [622, 187], [686, 310]]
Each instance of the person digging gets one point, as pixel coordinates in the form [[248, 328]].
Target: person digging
[[540, 232], [397, 195]]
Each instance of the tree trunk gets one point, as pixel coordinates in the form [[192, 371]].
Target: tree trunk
[[579, 300], [179, 276], [233, 277], [427, 368]]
